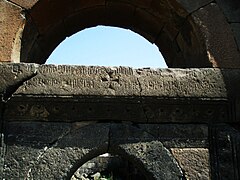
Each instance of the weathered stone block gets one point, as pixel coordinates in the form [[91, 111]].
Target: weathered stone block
[[191, 6], [179, 135], [214, 38], [139, 95], [149, 155], [51, 150], [225, 151], [75, 109], [82, 80], [13, 76], [123, 81], [194, 161], [26, 143], [230, 9], [236, 31], [26, 4]]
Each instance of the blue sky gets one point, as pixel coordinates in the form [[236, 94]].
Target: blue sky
[[107, 46]]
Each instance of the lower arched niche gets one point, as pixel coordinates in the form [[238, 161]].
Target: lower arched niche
[[83, 143], [108, 167]]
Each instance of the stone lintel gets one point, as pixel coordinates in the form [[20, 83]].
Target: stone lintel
[[70, 81], [78, 93]]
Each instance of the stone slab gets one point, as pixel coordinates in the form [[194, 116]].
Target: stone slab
[[214, 38], [194, 161], [179, 135], [148, 154], [119, 93], [236, 31], [26, 4], [63, 80], [139, 110], [231, 9], [191, 6], [13, 76], [225, 143], [74, 109], [51, 150], [26, 142]]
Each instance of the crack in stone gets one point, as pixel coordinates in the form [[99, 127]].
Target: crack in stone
[[140, 94], [15, 4], [46, 149], [109, 137]]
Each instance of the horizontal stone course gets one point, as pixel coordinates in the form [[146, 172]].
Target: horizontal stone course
[[77, 93], [64, 80]]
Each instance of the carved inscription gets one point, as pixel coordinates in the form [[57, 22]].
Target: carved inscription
[[84, 70], [125, 81], [158, 85], [73, 83]]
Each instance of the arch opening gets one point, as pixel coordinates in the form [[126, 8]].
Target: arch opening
[[108, 166], [161, 23], [107, 46]]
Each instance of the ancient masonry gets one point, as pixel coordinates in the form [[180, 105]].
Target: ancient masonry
[[176, 123]]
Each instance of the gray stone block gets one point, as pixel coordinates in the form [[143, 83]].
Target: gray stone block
[[13, 76], [81, 81], [231, 9], [149, 155], [191, 6], [236, 31], [52, 150]]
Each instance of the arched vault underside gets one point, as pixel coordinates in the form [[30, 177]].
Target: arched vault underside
[[202, 33]]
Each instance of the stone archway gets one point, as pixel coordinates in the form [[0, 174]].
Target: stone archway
[[184, 32], [75, 144]]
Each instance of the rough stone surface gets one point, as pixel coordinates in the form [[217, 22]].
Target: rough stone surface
[[194, 162], [216, 37], [235, 28], [27, 4], [54, 22], [148, 18], [120, 94], [191, 6], [179, 135], [53, 155], [26, 143], [124, 81], [231, 9], [225, 152], [13, 76], [138, 146], [57, 150]]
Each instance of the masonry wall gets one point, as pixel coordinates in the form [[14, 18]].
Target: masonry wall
[[53, 121], [170, 123]]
